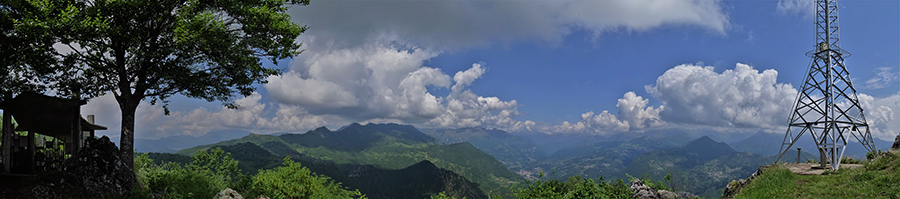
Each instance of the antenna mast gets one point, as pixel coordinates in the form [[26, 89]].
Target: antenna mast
[[827, 106]]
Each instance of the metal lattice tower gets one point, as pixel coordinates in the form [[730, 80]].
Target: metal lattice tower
[[827, 106]]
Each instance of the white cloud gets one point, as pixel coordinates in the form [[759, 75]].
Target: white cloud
[[882, 115], [803, 8], [151, 123], [388, 81], [884, 78], [633, 115], [634, 110], [454, 24], [741, 97]]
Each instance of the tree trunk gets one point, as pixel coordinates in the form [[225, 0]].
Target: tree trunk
[[126, 142]]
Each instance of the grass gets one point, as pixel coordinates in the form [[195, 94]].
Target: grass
[[879, 178]]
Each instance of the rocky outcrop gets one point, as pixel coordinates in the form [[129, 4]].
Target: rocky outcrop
[[735, 186], [896, 145], [97, 171], [228, 193], [641, 191]]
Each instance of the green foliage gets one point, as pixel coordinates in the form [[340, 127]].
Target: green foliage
[[295, 181], [443, 195], [207, 174], [395, 150], [574, 187]]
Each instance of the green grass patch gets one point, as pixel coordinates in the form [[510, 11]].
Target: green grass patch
[[877, 179]]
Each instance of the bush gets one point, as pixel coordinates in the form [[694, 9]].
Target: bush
[[295, 181], [574, 187], [207, 174]]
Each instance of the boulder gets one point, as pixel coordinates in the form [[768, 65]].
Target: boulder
[[228, 193], [685, 194], [666, 194], [97, 171], [639, 190], [896, 145]]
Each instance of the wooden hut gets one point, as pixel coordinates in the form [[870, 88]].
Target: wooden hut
[[56, 122]]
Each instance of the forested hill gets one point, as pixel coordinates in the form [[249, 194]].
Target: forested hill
[[513, 151], [383, 146]]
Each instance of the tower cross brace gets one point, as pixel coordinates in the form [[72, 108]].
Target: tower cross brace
[[827, 106]]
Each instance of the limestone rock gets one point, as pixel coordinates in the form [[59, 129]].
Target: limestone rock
[[639, 190], [685, 194], [896, 145], [665, 194], [96, 170], [228, 193]]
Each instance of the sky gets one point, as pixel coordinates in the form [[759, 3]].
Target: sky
[[562, 66]]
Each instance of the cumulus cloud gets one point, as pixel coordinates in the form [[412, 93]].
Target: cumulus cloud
[[882, 115], [388, 81], [884, 78], [151, 123], [803, 8], [741, 97], [454, 24], [634, 114]]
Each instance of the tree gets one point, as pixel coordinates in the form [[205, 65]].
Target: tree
[[154, 49], [24, 45]]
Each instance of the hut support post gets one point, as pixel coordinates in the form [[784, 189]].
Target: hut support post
[[7, 132]]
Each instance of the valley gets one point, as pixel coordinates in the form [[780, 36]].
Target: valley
[[399, 161]]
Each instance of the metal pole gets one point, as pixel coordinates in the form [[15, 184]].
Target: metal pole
[[798, 155]]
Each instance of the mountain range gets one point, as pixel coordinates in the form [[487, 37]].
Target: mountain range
[[382, 150], [513, 151], [172, 144], [399, 161]]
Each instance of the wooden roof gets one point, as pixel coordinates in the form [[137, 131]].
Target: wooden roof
[[45, 115]]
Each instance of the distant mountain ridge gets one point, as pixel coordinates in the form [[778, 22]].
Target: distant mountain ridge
[[391, 148], [513, 151], [172, 144]]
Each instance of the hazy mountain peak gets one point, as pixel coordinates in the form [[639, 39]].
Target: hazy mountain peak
[[706, 144], [322, 129]]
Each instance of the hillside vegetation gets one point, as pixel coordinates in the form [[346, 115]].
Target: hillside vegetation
[[878, 178], [338, 154]]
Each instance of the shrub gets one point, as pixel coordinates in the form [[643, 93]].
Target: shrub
[[295, 181], [207, 174], [574, 187]]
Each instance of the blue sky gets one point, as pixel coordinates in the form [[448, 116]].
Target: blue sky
[[551, 67]]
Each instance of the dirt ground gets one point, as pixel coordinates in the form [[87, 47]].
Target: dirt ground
[[814, 169]]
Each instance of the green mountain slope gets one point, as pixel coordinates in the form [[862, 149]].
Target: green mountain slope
[[702, 166], [385, 146], [513, 151], [420, 180]]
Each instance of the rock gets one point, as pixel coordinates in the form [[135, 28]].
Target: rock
[[685, 194], [41, 191], [262, 197], [666, 194], [97, 171], [639, 190], [228, 193], [735, 185], [896, 145]]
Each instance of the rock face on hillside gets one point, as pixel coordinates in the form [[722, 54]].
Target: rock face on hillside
[[97, 171], [896, 145], [735, 186], [639, 190]]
